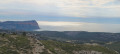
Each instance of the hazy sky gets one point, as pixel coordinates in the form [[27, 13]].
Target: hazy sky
[[62, 15]]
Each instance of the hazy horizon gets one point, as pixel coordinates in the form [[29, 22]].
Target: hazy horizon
[[65, 15]]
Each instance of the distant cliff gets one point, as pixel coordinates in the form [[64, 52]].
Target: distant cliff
[[19, 25]]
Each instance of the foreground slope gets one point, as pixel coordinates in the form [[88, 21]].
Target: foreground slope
[[114, 46], [20, 44]]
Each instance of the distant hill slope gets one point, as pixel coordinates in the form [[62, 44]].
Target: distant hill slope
[[19, 44], [81, 36], [19, 25]]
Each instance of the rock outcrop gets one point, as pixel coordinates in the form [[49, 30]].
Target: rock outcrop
[[87, 52]]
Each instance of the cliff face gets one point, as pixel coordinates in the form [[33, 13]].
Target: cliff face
[[19, 25]]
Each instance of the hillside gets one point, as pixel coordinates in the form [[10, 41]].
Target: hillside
[[20, 44], [114, 46], [19, 25], [81, 36]]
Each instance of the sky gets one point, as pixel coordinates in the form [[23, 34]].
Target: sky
[[65, 15]]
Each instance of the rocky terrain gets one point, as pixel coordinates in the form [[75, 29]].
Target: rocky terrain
[[22, 44], [87, 52]]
